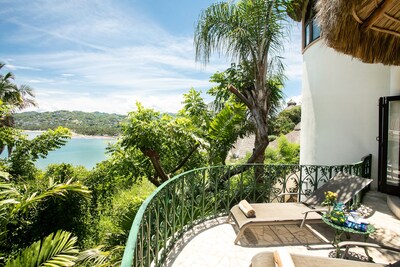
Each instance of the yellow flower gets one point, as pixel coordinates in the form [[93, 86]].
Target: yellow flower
[[330, 196]]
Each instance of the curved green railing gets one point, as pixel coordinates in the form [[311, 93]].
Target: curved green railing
[[205, 193]]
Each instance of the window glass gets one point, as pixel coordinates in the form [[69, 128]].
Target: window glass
[[307, 34], [393, 145], [316, 31], [311, 29]]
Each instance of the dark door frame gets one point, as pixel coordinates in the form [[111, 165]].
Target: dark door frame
[[383, 148]]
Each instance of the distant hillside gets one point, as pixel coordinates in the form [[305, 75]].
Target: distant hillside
[[93, 123]]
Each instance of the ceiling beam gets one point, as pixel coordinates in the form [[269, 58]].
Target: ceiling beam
[[383, 7], [392, 18]]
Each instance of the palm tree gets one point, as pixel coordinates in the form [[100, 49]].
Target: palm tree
[[250, 32], [16, 97], [13, 98]]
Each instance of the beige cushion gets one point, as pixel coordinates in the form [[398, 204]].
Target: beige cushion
[[247, 209], [266, 259], [282, 258]]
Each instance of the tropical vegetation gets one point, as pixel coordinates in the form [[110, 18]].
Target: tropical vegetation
[[13, 96], [86, 123], [284, 122], [251, 32]]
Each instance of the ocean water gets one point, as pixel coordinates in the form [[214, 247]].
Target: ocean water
[[84, 151]]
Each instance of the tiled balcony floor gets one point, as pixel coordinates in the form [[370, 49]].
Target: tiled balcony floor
[[211, 243]]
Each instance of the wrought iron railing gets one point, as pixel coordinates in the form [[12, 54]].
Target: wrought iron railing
[[202, 194]]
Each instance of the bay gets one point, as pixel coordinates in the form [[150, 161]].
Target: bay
[[80, 150]]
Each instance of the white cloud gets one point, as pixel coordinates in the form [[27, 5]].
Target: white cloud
[[111, 103], [98, 25], [292, 55], [17, 67], [39, 81], [154, 71], [95, 55]]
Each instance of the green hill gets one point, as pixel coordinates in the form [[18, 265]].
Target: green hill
[[88, 123]]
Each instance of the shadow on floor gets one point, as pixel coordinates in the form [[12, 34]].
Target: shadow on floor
[[280, 235]]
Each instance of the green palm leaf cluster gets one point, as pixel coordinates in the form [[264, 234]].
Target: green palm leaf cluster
[[224, 130], [55, 190], [101, 256], [16, 97], [17, 201], [56, 250], [246, 31], [12, 99]]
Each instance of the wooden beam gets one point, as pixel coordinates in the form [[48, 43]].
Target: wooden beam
[[385, 31], [377, 14], [392, 18]]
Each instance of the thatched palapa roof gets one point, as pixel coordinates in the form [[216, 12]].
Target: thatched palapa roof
[[366, 29]]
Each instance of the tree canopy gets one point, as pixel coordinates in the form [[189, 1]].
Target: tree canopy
[[251, 32]]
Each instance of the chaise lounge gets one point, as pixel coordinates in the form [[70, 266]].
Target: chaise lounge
[[310, 210], [266, 259]]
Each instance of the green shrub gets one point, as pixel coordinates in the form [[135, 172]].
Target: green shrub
[[115, 223], [286, 153], [272, 137], [70, 213], [285, 121]]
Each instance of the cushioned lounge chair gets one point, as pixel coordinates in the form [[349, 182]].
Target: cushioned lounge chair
[[310, 210], [350, 244], [266, 259]]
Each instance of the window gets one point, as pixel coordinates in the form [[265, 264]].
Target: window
[[307, 34], [311, 30], [316, 31]]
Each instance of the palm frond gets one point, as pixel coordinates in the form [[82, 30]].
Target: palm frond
[[8, 202], [60, 190], [100, 256], [9, 196], [53, 251], [244, 30], [16, 97], [8, 190], [27, 97], [215, 26], [225, 129], [95, 256]]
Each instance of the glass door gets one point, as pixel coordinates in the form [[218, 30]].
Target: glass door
[[389, 149]]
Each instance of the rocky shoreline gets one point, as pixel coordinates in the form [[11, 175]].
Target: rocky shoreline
[[76, 135]]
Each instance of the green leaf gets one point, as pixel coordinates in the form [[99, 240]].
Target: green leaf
[[55, 250]]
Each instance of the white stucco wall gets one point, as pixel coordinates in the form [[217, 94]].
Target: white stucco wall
[[394, 80], [340, 107]]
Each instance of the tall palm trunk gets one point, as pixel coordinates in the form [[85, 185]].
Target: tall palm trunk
[[258, 106], [248, 30], [260, 112]]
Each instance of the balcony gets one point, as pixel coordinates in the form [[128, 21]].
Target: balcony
[[182, 222]]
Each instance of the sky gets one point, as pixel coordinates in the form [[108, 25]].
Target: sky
[[105, 55]]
